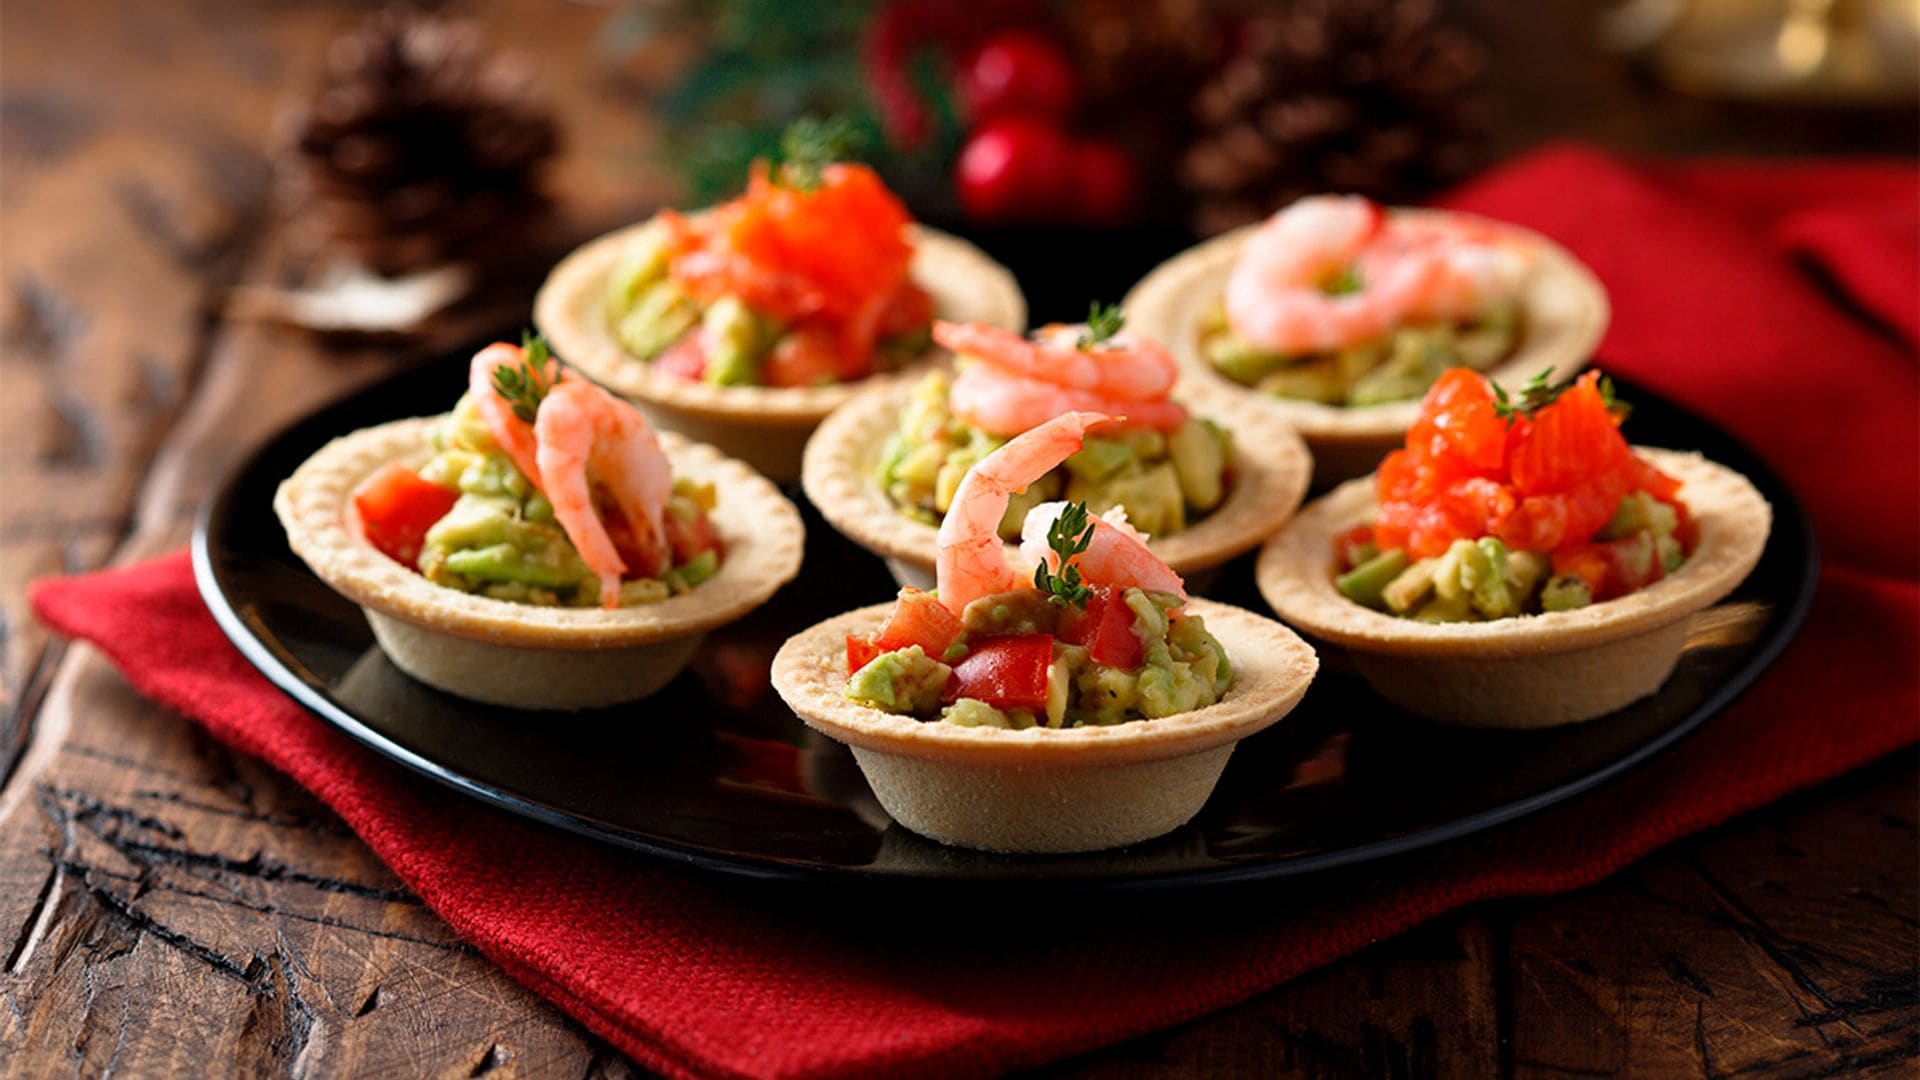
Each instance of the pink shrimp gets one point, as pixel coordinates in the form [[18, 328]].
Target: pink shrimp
[[1000, 403], [1123, 368], [971, 561], [588, 437], [1455, 265], [514, 435], [1116, 555]]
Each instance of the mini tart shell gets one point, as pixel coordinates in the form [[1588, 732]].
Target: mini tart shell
[[1565, 312], [1047, 790], [765, 426], [522, 655], [1271, 468], [1529, 671]]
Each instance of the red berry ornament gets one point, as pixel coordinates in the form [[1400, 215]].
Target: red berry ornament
[[1105, 186], [1015, 168], [1018, 71]]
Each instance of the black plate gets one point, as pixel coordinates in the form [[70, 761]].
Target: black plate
[[717, 772]]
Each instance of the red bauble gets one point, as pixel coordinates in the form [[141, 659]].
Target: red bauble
[[1015, 168], [1018, 71], [1105, 185]]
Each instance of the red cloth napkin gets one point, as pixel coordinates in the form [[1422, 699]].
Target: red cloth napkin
[[702, 976]]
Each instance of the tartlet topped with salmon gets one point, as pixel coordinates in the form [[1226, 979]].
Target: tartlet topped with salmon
[[539, 546], [1069, 696], [744, 323], [1205, 478], [1343, 313], [1517, 563]]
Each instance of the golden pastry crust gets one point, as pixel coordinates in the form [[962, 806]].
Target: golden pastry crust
[[1270, 462], [1045, 790], [761, 530], [1531, 670], [764, 425], [1566, 312]]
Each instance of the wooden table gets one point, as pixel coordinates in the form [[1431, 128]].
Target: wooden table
[[166, 905]]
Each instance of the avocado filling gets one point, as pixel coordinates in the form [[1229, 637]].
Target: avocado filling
[[1026, 659], [1483, 579], [1165, 480], [500, 538], [1399, 366], [726, 342]]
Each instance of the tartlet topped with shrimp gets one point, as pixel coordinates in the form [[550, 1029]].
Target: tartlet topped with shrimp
[[540, 546], [745, 323], [1065, 696], [1206, 478], [1343, 313]]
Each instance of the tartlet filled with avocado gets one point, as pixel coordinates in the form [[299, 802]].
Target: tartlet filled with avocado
[[1205, 479], [538, 546], [1069, 698], [1341, 314], [743, 324], [1517, 563]]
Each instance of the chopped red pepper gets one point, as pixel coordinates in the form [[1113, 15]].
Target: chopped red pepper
[[918, 619], [1008, 672], [1106, 629], [1351, 541], [686, 357], [689, 536], [396, 509], [860, 652]]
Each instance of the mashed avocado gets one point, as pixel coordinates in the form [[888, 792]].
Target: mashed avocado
[[1397, 367], [500, 538], [1164, 479], [1183, 667], [1477, 580]]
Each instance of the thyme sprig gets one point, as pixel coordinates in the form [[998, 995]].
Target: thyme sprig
[[1538, 393], [526, 384], [1103, 322], [810, 144], [1068, 536]]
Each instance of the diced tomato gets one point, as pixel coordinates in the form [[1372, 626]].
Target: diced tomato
[[1584, 563], [1686, 530], [686, 357], [1632, 563], [396, 509], [860, 652], [641, 562], [908, 310], [1351, 541], [920, 619], [689, 536], [806, 355], [1007, 672], [1106, 629]]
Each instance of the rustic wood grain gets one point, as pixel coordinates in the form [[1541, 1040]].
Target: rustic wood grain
[[169, 907]]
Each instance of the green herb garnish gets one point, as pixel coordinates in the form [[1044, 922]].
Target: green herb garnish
[[1538, 393], [527, 383], [1347, 281], [811, 144], [1103, 322], [1068, 536]]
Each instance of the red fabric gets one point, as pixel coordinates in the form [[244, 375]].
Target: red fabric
[[700, 976]]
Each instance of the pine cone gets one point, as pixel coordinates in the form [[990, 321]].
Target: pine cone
[[1374, 97], [417, 148]]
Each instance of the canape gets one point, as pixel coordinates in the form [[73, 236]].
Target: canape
[[1341, 314], [744, 324], [1517, 564], [538, 546], [1206, 479], [1070, 699]]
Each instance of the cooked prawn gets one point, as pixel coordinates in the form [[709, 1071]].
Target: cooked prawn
[[1122, 367], [972, 563], [588, 438], [1000, 403], [1116, 554], [1276, 295], [514, 435]]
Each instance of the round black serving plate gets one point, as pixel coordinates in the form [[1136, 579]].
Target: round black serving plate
[[715, 771]]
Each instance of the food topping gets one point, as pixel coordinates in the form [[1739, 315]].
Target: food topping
[[796, 282], [1503, 505], [1164, 466], [1334, 300]]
